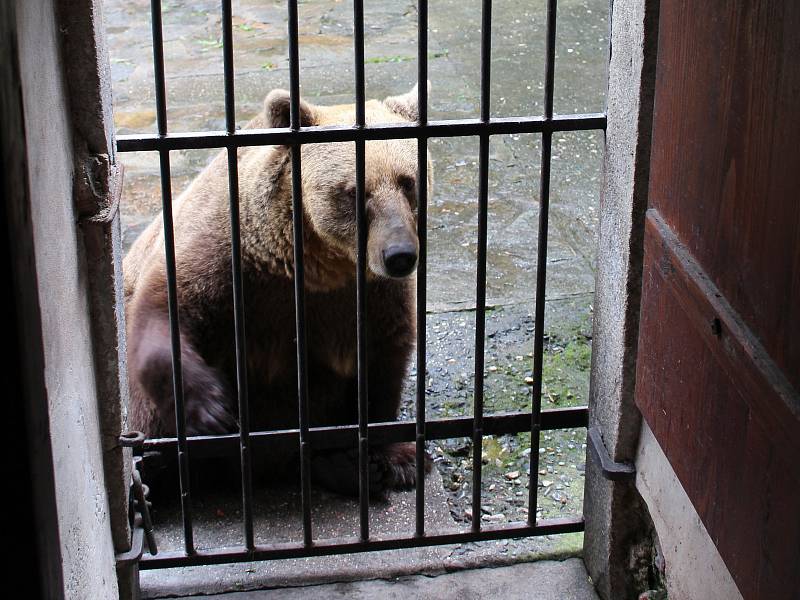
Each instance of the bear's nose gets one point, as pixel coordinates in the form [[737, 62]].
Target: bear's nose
[[400, 259]]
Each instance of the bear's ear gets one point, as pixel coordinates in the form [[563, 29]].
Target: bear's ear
[[406, 105], [277, 105]]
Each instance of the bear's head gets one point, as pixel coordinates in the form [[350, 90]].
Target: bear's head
[[329, 182]]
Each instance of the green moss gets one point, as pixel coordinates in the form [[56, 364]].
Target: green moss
[[568, 545], [579, 353], [565, 376], [210, 42], [494, 452], [565, 371], [375, 60]]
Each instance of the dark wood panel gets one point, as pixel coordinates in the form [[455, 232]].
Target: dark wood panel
[[725, 170], [725, 416]]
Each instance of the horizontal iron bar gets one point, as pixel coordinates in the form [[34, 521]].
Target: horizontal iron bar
[[315, 135], [345, 436], [215, 556]]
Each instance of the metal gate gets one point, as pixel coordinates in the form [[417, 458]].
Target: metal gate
[[306, 437]]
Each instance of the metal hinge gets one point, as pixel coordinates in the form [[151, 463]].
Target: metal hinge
[[614, 471], [139, 509]]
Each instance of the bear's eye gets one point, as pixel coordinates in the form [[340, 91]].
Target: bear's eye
[[407, 184]]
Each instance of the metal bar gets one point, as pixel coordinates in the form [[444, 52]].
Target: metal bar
[[422, 265], [342, 545], [480, 293], [158, 67], [550, 64], [361, 275], [541, 263], [610, 469], [480, 331], [236, 271], [346, 436], [343, 133], [172, 292], [227, 67], [486, 60], [299, 275]]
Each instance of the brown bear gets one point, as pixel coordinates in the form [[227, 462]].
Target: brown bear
[[204, 287]]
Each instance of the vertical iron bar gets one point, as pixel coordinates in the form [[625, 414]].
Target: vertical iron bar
[[361, 275], [480, 293], [541, 264], [236, 270], [299, 274], [172, 291], [422, 235]]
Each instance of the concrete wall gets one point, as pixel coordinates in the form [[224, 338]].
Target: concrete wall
[[83, 515], [97, 188], [616, 522], [694, 568]]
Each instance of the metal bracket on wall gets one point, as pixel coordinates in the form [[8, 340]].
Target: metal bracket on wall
[[614, 471], [102, 205], [141, 523]]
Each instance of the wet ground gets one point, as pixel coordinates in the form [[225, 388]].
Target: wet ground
[[506, 459], [195, 103]]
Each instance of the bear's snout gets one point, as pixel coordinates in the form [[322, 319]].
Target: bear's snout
[[400, 259]]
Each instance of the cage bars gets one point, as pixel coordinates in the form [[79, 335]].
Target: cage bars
[[364, 433]]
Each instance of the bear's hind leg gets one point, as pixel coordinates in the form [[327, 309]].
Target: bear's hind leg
[[390, 467], [207, 403]]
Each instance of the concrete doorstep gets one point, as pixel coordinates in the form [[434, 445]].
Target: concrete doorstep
[[542, 580]]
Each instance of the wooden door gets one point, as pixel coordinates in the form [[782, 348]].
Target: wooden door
[[718, 372]]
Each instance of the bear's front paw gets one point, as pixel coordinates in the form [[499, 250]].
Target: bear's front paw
[[209, 414]]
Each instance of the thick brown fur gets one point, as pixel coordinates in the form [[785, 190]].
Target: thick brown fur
[[204, 290]]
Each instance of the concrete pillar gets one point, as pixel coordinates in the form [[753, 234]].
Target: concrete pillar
[[97, 185], [617, 524]]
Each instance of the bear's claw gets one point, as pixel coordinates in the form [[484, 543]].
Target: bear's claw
[[390, 467]]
